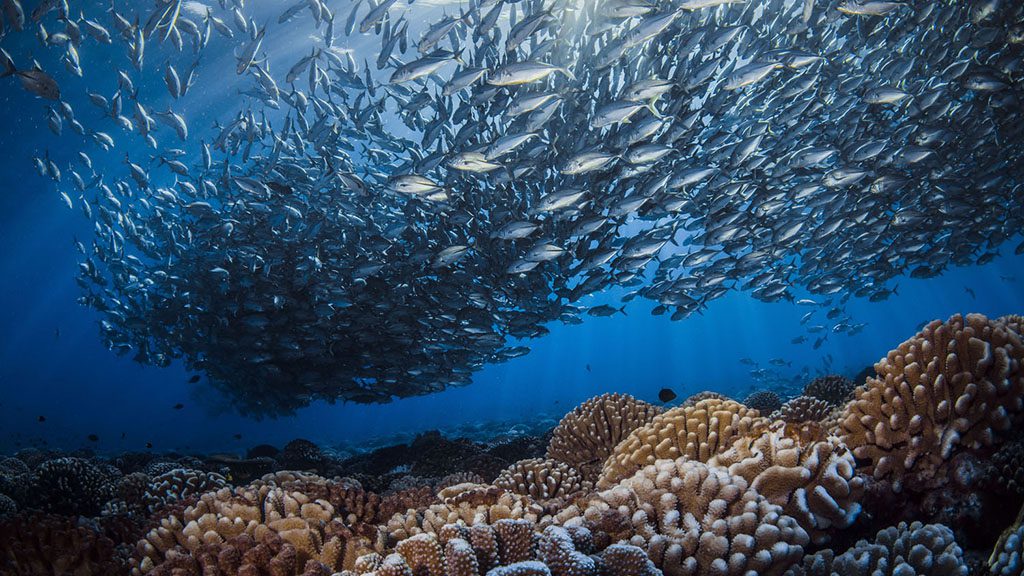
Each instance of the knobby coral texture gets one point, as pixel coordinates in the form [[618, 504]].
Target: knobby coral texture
[[916, 471]]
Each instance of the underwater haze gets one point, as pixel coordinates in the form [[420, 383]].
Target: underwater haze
[[540, 262]]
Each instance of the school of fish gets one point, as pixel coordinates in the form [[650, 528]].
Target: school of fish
[[361, 231]]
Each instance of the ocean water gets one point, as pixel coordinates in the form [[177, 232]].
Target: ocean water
[[63, 391], [53, 364]]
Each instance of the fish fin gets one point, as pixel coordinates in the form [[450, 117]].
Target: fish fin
[[568, 73], [8, 64]]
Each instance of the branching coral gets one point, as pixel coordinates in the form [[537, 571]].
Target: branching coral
[[47, 544], [506, 548], [542, 479], [924, 550], [809, 474], [179, 484], [258, 510], [803, 409], [764, 401], [695, 519], [469, 504], [698, 432], [956, 384], [1007, 557], [586, 436], [705, 395], [71, 486], [833, 389]]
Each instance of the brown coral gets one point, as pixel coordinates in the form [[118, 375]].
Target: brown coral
[[803, 409], [692, 518], [832, 388], [586, 436], [542, 479], [263, 510], [49, 544], [698, 432], [506, 548], [705, 395], [922, 549], [956, 384], [764, 401], [810, 474], [469, 504]]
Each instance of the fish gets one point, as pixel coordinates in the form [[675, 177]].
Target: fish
[[93, 438], [178, 406], [41, 419], [666, 395], [34, 80], [476, 183]]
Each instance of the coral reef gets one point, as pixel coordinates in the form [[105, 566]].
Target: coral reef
[[810, 474], [956, 384], [70, 486], [922, 549], [764, 401], [692, 518], [469, 504], [1007, 557], [179, 484], [803, 409], [50, 544], [705, 395], [542, 479], [586, 436], [1006, 473], [699, 431], [834, 389]]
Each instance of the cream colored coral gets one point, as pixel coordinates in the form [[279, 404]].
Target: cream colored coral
[[255, 509], [467, 504], [694, 519], [697, 432], [803, 469], [586, 436], [542, 479], [955, 385]]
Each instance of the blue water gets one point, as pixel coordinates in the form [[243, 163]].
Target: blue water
[[53, 364]]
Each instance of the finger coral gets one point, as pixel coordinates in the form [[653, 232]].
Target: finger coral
[[71, 486], [803, 409], [695, 519], [506, 548], [810, 474], [921, 549], [1007, 557], [179, 484], [309, 526], [956, 384], [38, 544], [542, 479], [469, 504], [764, 401], [705, 395], [832, 388], [698, 432], [586, 436]]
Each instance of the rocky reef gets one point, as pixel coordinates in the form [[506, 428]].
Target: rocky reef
[[913, 470]]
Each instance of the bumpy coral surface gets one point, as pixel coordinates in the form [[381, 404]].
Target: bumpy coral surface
[[263, 510], [586, 436], [1008, 556], [799, 467], [904, 550], [71, 486], [508, 547], [764, 401], [803, 409], [542, 479], [179, 484], [956, 384], [469, 504], [695, 519], [833, 389], [698, 432], [45, 544], [704, 395]]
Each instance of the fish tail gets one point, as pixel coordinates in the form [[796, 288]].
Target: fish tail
[[8, 64], [568, 73]]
